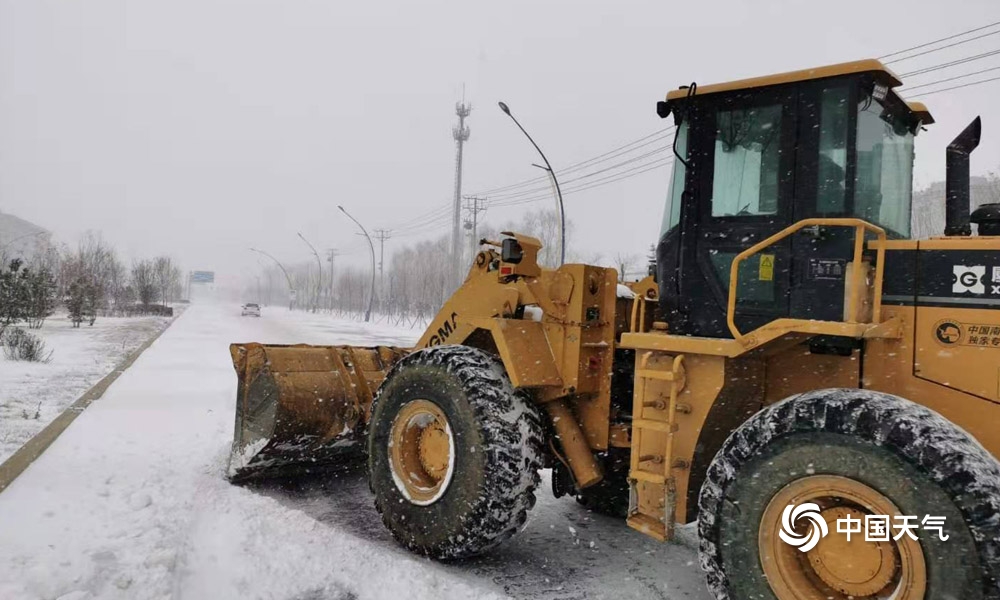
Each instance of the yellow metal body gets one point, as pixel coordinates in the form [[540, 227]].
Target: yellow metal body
[[554, 329], [727, 381], [557, 331], [849, 68]]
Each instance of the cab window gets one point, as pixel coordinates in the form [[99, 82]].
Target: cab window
[[672, 214], [831, 168], [747, 158], [883, 180]]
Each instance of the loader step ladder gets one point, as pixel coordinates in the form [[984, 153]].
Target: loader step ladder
[[652, 488]]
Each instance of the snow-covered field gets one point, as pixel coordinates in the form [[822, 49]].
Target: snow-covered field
[[131, 502], [32, 394]]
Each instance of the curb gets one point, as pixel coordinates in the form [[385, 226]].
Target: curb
[[18, 462]]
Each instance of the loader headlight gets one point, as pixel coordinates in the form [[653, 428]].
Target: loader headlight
[[879, 92]]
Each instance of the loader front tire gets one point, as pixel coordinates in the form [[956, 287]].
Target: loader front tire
[[852, 453], [453, 452]]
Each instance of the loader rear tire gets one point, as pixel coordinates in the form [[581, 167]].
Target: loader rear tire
[[850, 452], [495, 439]]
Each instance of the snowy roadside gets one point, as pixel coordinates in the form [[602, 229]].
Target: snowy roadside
[[32, 394], [131, 503], [302, 327]]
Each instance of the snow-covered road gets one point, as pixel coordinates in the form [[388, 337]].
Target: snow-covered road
[[131, 503]]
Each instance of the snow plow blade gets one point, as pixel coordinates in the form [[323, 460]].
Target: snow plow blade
[[302, 407]]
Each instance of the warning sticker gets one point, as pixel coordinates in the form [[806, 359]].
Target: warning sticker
[[827, 268], [983, 335], [766, 271]]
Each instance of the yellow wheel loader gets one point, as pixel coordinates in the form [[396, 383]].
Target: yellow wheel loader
[[796, 370]]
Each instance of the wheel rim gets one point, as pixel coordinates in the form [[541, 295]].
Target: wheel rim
[[421, 452], [836, 569]]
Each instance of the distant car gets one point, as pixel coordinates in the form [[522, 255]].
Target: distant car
[[251, 309]]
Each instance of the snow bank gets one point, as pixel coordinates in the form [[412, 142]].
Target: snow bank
[[32, 394]]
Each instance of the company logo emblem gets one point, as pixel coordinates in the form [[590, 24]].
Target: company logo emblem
[[818, 528], [948, 332], [969, 280]]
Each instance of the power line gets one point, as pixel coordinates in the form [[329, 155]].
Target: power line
[[512, 194], [512, 197], [431, 217], [613, 153], [909, 89], [441, 220], [955, 87], [634, 171], [588, 175], [441, 225], [593, 185], [436, 213], [932, 50], [953, 63], [944, 39]]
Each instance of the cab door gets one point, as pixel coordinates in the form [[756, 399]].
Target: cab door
[[824, 187], [745, 164]]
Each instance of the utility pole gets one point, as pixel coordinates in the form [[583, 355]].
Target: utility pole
[[331, 254], [461, 135], [382, 235], [475, 205]]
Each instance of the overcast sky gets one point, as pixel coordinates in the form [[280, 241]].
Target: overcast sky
[[201, 127]]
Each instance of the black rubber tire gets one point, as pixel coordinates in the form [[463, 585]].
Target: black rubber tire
[[497, 437], [610, 495], [912, 455]]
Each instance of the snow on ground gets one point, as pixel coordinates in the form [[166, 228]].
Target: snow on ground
[[131, 502], [32, 394]]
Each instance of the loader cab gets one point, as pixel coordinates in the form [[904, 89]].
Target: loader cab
[[758, 155]]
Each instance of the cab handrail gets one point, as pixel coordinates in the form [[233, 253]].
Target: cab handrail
[[857, 273]]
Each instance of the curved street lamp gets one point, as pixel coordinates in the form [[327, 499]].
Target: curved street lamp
[[319, 267], [291, 289], [552, 174], [371, 247]]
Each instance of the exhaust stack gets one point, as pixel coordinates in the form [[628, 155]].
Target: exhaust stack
[[958, 198]]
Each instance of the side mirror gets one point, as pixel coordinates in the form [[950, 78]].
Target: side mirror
[[663, 109], [511, 251]]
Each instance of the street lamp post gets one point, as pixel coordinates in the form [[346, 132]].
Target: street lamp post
[[371, 247], [552, 174], [291, 289], [319, 268]]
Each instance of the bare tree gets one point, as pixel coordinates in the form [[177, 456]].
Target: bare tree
[[166, 276], [624, 263], [144, 281]]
